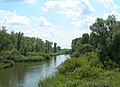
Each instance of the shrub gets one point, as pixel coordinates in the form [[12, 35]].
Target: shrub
[[75, 54], [70, 65]]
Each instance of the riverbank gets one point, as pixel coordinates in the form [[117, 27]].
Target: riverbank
[[6, 64], [85, 71], [28, 74], [9, 59]]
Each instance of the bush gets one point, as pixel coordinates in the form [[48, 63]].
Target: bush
[[6, 64], [4, 54], [75, 54], [14, 54], [30, 58], [70, 65]]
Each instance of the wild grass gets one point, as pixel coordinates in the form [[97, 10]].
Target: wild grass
[[30, 58], [7, 56], [86, 71], [6, 63]]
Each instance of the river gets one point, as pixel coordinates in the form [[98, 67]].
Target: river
[[29, 74]]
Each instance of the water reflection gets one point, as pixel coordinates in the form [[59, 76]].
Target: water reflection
[[29, 74], [55, 61]]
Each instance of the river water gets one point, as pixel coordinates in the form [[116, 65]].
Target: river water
[[29, 74]]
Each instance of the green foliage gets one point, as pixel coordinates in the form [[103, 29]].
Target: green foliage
[[70, 66], [115, 45], [45, 55], [30, 58], [6, 63], [81, 45], [85, 48], [75, 43], [97, 58], [25, 44], [85, 38], [5, 42], [55, 47], [19, 40], [103, 39], [86, 63], [19, 48], [75, 54], [86, 71], [103, 32], [81, 49]]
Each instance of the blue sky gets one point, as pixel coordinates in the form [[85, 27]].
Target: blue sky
[[55, 20]]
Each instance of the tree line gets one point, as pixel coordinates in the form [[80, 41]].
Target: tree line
[[23, 44], [104, 39]]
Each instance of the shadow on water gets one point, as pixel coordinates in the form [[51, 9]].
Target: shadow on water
[[55, 61], [29, 74]]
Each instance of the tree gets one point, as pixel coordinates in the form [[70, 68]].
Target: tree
[[19, 40], [55, 47], [75, 43], [115, 42], [102, 30], [58, 48], [85, 38], [5, 42], [93, 40], [24, 44]]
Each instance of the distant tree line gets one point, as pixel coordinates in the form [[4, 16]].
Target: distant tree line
[[24, 44], [104, 39]]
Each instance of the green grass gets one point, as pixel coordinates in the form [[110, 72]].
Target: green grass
[[7, 56], [30, 58], [106, 79], [86, 71], [6, 63]]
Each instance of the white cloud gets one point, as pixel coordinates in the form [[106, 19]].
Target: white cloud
[[17, 20], [62, 39], [82, 26], [110, 8], [31, 1], [11, 18], [70, 8], [45, 30], [42, 29], [43, 22], [85, 23]]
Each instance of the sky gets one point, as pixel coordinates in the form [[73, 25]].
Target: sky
[[55, 20]]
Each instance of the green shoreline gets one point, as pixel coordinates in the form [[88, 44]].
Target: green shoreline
[[85, 71], [32, 57]]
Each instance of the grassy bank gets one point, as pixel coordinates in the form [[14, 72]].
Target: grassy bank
[[9, 58], [85, 71], [30, 58], [6, 63]]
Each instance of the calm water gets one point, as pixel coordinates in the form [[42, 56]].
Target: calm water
[[29, 74]]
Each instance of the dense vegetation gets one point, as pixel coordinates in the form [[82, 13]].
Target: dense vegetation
[[15, 47], [95, 58]]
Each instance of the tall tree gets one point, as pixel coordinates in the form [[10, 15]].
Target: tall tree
[[55, 47], [5, 42], [19, 40], [102, 30]]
